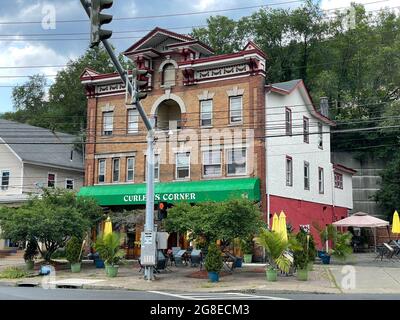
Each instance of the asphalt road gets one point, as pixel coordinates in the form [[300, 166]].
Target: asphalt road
[[21, 293]]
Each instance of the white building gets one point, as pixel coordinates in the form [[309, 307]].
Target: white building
[[32, 158], [300, 178]]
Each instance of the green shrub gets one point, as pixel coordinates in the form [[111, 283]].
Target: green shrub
[[59, 254], [109, 249], [246, 245], [213, 261], [343, 249], [310, 247], [13, 273], [31, 250], [73, 250]]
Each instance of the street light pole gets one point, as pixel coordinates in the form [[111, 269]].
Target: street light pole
[[149, 223]]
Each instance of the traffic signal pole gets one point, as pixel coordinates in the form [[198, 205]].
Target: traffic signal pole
[[149, 223]]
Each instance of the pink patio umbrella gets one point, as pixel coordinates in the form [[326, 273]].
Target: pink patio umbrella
[[362, 220]]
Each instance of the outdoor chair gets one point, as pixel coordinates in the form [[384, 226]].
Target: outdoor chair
[[174, 251], [195, 258], [385, 251], [179, 258], [229, 262]]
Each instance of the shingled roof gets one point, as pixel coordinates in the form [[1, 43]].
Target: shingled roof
[[41, 146]]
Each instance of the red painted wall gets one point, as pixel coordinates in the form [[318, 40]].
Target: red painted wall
[[299, 212]]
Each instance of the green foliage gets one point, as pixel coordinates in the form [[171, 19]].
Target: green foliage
[[59, 254], [275, 247], [246, 245], [51, 219], [73, 250], [213, 261], [343, 249], [31, 250], [326, 233], [238, 218], [13, 273], [308, 246], [109, 248]]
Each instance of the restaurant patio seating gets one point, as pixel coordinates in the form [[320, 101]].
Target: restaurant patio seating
[[385, 251], [196, 258], [179, 258]]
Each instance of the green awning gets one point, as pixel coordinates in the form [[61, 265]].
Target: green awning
[[173, 192]]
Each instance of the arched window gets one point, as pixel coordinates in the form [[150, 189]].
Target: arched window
[[168, 74]]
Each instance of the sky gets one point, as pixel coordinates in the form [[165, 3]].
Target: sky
[[22, 43]]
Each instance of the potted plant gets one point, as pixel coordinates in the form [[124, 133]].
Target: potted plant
[[110, 252], [246, 246], [301, 264], [342, 249], [307, 243], [326, 234], [30, 253], [275, 247], [73, 253], [213, 262]]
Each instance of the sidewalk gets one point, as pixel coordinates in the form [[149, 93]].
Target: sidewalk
[[249, 278]]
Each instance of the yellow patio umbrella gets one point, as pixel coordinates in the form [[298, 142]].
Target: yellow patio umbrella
[[107, 227], [275, 223], [396, 223], [282, 226]]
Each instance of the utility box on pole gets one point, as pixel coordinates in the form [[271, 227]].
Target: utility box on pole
[[148, 252]]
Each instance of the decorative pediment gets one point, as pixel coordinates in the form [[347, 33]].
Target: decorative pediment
[[206, 95], [235, 91]]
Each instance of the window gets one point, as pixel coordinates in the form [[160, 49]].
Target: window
[[169, 75], [212, 163], [288, 121], [206, 109], [130, 169], [306, 130], [102, 170], [133, 121], [5, 180], [236, 161], [108, 119], [338, 180], [306, 175], [320, 141], [156, 167], [235, 104], [115, 176], [51, 180], [69, 184], [289, 171], [321, 180], [182, 165]]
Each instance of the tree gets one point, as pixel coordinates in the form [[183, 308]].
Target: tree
[[51, 220], [238, 218]]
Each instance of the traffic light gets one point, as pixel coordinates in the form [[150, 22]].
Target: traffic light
[[98, 19], [162, 211], [140, 83]]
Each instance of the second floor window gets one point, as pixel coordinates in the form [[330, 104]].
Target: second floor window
[[320, 136], [156, 167], [51, 180], [289, 171], [133, 121], [5, 180], [206, 109], [108, 119], [306, 175], [236, 161], [102, 171], [130, 169], [321, 180], [115, 177], [182, 165], [235, 109], [306, 130], [212, 163], [288, 121], [338, 180], [69, 184]]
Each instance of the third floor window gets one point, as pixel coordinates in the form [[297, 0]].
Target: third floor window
[[236, 109], [108, 119]]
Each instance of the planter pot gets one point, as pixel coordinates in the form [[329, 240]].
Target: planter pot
[[247, 258], [238, 263], [326, 259], [99, 263], [321, 253], [75, 267], [272, 275], [213, 276], [310, 266], [30, 264], [302, 275], [112, 271]]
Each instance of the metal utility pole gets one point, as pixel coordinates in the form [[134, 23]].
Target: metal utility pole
[[93, 9]]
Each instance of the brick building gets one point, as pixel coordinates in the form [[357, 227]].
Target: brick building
[[210, 117]]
